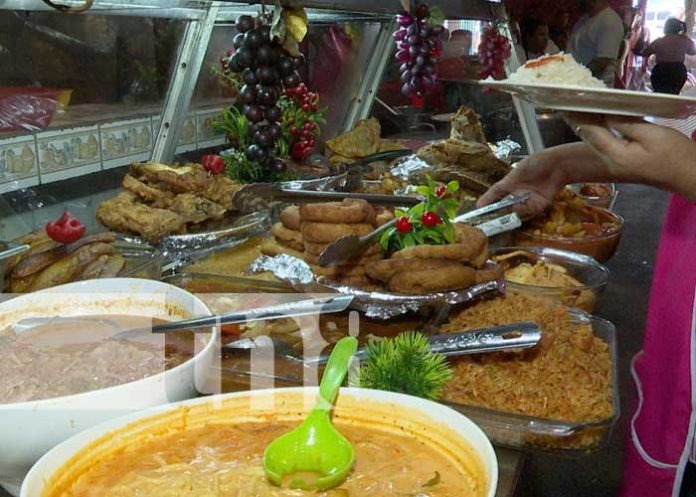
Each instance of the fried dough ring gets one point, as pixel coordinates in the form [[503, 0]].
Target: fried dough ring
[[290, 217], [384, 270], [348, 211], [318, 248], [471, 248], [361, 282], [355, 261], [452, 276], [338, 271], [291, 238], [274, 247], [330, 232], [489, 274], [383, 217]]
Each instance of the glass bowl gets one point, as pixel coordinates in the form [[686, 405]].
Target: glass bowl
[[605, 200], [592, 275], [600, 247]]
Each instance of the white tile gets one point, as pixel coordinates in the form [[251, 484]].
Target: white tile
[[18, 161], [126, 141], [69, 173], [207, 136], [11, 186], [68, 148]]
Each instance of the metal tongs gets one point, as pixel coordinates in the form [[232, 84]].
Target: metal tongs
[[522, 335], [259, 196], [344, 248], [324, 305]]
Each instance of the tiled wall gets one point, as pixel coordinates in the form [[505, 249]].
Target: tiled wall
[[59, 154]]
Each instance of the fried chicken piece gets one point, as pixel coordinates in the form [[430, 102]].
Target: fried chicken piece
[[471, 248], [178, 179], [123, 213], [158, 198], [191, 178], [221, 190], [104, 266], [196, 209]]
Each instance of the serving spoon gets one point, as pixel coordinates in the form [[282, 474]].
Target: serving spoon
[[315, 456], [324, 305]]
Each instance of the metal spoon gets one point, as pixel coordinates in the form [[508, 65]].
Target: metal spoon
[[521, 335], [324, 305]]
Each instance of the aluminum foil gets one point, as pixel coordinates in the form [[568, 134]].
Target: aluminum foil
[[506, 149], [284, 267], [323, 184], [410, 166], [379, 305]]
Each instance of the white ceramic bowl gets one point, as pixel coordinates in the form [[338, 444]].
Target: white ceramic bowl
[[29, 429], [450, 432]]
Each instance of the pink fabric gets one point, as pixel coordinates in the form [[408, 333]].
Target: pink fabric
[[672, 48], [664, 368]]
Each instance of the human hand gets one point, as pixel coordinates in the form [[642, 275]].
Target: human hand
[[639, 152], [536, 175]]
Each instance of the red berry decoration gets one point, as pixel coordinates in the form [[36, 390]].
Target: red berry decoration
[[66, 229], [403, 225], [430, 219], [441, 191], [493, 51], [214, 164]]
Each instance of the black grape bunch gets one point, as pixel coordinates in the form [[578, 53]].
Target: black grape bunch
[[266, 70], [418, 47]]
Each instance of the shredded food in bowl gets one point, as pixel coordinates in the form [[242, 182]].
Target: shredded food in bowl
[[567, 377]]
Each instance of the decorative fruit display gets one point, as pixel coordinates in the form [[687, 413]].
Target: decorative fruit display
[[301, 120], [418, 47], [274, 114], [493, 50], [426, 223]]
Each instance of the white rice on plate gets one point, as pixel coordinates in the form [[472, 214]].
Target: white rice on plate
[[559, 69]]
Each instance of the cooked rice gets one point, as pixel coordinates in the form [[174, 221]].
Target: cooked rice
[[567, 377], [559, 69]]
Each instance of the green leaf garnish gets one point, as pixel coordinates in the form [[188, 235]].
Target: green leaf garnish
[[443, 233], [405, 364]]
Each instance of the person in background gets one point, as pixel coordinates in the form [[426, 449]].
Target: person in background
[[660, 456], [458, 45], [596, 39], [670, 51], [534, 40], [559, 31]]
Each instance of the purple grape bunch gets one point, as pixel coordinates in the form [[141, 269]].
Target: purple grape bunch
[[418, 47], [267, 70]]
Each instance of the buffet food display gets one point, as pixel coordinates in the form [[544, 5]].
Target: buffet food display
[[417, 270]]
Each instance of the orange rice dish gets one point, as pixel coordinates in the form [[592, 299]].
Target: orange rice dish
[[567, 377]]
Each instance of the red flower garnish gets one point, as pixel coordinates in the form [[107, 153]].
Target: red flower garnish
[[214, 164], [67, 229], [431, 219], [403, 225]]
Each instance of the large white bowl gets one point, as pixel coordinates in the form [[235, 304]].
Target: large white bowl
[[29, 429], [450, 432]]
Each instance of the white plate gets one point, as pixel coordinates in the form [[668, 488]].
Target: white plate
[[600, 100]]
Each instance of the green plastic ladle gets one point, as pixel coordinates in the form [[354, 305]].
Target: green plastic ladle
[[315, 455]]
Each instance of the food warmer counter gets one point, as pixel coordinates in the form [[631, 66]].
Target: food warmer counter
[[136, 80]]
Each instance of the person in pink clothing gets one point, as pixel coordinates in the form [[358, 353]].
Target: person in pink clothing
[[660, 456], [670, 51]]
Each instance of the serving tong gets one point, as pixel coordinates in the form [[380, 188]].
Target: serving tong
[[512, 336], [346, 247]]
